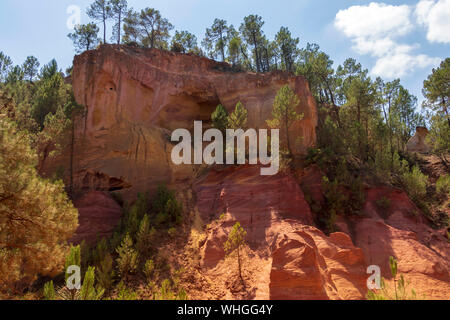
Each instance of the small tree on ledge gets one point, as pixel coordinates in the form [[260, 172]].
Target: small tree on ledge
[[236, 240]]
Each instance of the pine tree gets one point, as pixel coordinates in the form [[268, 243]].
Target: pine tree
[[49, 291], [36, 216], [30, 67], [85, 37], [220, 118], [238, 118], [234, 243], [437, 90], [5, 66], [119, 10], [127, 260], [216, 39], [100, 11], [88, 290], [284, 112]]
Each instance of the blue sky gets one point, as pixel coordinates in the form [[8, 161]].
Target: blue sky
[[392, 39]]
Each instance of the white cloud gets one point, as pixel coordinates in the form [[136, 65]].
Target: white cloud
[[375, 20], [373, 30], [435, 15], [399, 64]]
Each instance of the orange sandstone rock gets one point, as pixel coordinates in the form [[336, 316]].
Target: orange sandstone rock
[[136, 97]]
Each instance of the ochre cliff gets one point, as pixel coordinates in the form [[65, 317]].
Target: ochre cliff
[[290, 258], [135, 98]]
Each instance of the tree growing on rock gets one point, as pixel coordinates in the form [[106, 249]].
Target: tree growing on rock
[[100, 11], [220, 118], [119, 10], [284, 112], [251, 30], [184, 42], [216, 39], [85, 37], [238, 118], [235, 243], [154, 29]]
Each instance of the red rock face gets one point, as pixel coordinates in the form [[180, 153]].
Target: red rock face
[[297, 261], [289, 258], [401, 231], [99, 214], [135, 98]]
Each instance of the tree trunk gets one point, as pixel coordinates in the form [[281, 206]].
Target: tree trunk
[[104, 30], [119, 29], [239, 264]]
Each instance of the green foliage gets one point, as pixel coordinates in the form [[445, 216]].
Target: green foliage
[[284, 112], [118, 11], [185, 42], [85, 37], [88, 290], [30, 67], [169, 211], [36, 216], [220, 118], [234, 243], [287, 46], [49, 291], [238, 118], [168, 291], [400, 291], [216, 39], [149, 268], [100, 11], [73, 259], [437, 90], [415, 184], [149, 29], [125, 293], [105, 272], [5, 66], [251, 32], [443, 185], [127, 260], [439, 137]]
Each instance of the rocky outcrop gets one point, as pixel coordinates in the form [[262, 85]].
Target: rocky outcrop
[[98, 216], [289, 258], [417, 142], [135, 98]]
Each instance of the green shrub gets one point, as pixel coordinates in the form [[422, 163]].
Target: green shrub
[[105, 272], [149, 268], [400, 291], [127, 260], [335, 203], [415, 184], [145, 237], [169, 211], [88, 291], [73, 259], [49, 291], [443, 185], [124, 293], [170, 292]]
